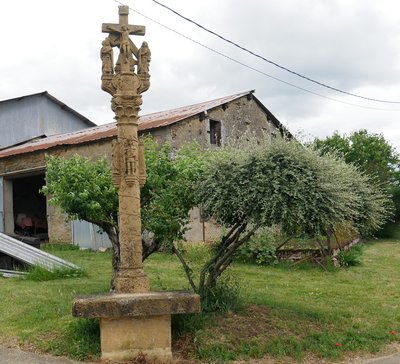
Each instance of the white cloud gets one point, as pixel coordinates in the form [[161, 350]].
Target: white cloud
[[350, 44]]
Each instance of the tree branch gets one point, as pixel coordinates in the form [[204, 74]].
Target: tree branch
[[284, 243], [186, 267], [228, 256], [225, 241]]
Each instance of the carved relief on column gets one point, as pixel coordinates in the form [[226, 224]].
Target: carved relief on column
[[116, 163], [131, 174], [142, 164]]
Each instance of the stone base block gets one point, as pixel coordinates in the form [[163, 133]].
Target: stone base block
[[127, 337], [133, 323], [134, 284]]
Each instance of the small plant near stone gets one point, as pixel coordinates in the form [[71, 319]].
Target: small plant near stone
[[351, 257], [260, 249], [81, 340], [225, 296]]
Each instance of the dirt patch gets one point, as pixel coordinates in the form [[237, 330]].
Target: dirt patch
[[257, 322], [9, 342], [247, 325]]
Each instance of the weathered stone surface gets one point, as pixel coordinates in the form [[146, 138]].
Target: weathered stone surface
[[127, 337], [133, 320], [125, 81], [117, 305]]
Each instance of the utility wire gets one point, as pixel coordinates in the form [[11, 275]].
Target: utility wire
[[271, 62], [253, 68]]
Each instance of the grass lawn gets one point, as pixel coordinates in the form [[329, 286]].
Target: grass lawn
[[289, 312]]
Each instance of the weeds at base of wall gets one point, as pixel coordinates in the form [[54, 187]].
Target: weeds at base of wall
[[59, 247]]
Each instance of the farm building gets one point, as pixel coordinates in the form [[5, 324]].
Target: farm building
[[22, 166]]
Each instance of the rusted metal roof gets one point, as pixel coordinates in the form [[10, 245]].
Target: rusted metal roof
[[164, 118], [146, 122], [76, 137]]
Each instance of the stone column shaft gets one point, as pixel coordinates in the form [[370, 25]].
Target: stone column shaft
[[131, 277]]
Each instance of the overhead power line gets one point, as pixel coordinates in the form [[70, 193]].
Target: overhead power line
[[274, 63], [253, 68]]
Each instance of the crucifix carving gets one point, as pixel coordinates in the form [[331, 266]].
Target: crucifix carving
[[125, 82], [129, 56], [123, 22]]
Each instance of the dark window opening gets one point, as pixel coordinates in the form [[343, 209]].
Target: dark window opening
[[215, 132]]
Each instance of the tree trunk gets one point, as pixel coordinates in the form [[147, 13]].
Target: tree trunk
[[224, 256], [112, 233]]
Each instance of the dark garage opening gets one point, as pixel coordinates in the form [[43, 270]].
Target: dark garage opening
[[29, 205]]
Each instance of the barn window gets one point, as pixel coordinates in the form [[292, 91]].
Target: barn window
[[215, 132]]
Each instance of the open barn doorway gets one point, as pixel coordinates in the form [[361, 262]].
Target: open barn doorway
[[29, 206]]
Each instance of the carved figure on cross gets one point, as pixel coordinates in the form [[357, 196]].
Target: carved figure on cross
[[119, 36]]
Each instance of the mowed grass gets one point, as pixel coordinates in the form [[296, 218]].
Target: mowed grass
[[312, 311], [290, 312]]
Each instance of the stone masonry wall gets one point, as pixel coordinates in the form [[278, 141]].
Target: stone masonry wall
[[59, 228], [240, 118]]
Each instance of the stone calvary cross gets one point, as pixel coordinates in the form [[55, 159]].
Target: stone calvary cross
[[128, 166], [133, 320]]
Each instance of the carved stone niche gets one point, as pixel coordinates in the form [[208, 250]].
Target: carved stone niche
[[132, 165]]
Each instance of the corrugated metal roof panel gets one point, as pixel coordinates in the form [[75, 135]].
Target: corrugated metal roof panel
[[28, 254], [55, 100], [146, 122]]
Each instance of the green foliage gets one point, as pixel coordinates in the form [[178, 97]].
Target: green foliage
[[371, 152], [82, 188], [285, 184], [189, 323], [391, 230], [395, 192], [37, 273], [292, 186], [350, 257], [168, 196], [260, 249]]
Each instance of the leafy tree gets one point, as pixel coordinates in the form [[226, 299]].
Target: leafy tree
[[83, 190], [282, 184], [372, 153]]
